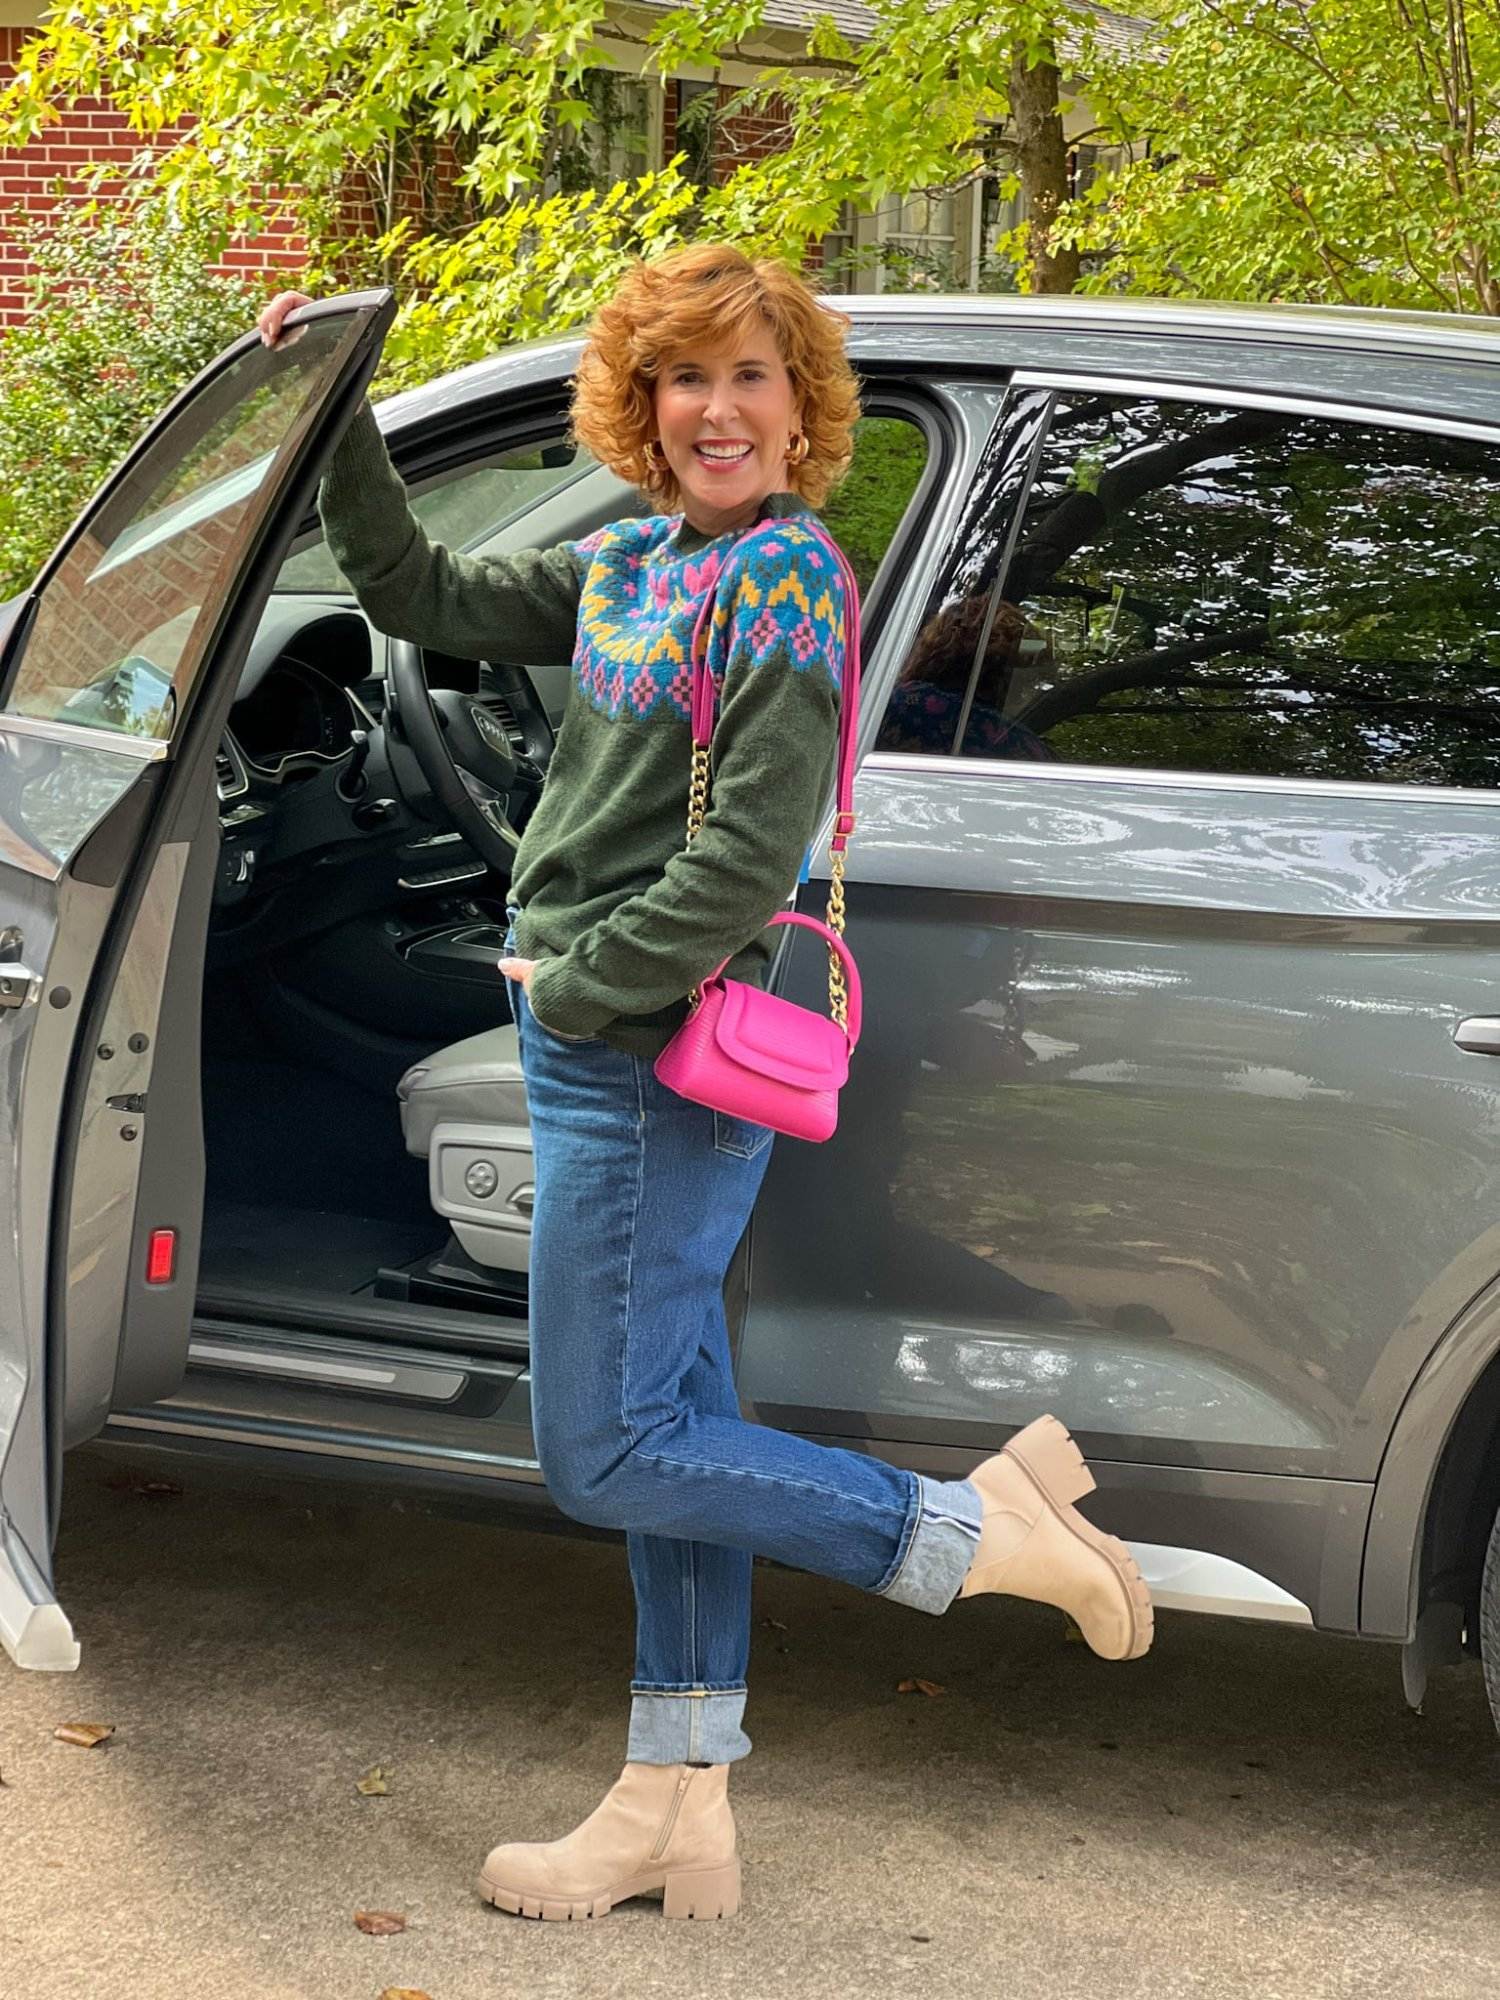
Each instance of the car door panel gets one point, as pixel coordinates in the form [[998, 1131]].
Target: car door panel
[[57, 924], [1118, 1130], [118, 670], [124, 1340]]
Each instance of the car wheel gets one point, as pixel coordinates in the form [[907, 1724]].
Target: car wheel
[[1489, 1621]]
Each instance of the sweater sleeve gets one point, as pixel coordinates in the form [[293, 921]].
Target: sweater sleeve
[[521, 608], [774, 750]]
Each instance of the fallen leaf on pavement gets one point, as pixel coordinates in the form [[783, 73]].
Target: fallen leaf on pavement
[[147, 1489], [404, 1993], [84, 1734], [379, 1923], [920, 1687], [373, 1784]]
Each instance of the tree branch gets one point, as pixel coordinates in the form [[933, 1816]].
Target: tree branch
[[1159, 667]]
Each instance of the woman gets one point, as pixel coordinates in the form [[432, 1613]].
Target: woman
[[720, 386]]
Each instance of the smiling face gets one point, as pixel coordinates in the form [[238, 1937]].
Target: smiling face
[[726, 417]]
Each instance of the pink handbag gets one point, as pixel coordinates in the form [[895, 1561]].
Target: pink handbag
[[748, 1053]]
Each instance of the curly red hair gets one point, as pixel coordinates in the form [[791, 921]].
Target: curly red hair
[[704, 296]]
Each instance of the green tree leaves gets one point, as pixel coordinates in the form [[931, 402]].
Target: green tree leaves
[[1338, 150], [456, 123]]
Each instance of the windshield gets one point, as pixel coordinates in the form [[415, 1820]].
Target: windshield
[[465, 507]]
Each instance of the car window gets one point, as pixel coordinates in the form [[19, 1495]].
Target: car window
[[481, 507], [123, 621], [864, 511], [1206, 589], [463, 507], [931, 701]]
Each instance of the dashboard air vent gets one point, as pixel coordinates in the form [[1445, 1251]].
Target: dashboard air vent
[[229, 773]]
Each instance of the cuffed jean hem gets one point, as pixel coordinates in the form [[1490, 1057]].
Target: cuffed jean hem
[[686, 1726], [943, 1533]]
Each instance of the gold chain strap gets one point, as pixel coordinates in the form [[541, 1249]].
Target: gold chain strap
[[697, 792], [838, 985], [697, 807]]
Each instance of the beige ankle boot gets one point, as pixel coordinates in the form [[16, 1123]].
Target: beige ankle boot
[[1034, 1543], [660, 1826]]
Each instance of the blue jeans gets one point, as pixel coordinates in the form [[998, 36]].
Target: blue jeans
[[641, 1200]]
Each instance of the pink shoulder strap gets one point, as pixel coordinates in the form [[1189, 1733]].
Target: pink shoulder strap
[[703, 686]]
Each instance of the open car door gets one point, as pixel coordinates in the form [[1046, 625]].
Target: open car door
[[117, 671]]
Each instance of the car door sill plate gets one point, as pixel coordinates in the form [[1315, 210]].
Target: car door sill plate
[[437, 1385], [1194, 1580]]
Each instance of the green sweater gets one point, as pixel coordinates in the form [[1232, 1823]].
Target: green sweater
[[624, 918]]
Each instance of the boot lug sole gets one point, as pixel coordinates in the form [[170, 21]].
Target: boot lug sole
[[701, 1893], [1046, 1452]]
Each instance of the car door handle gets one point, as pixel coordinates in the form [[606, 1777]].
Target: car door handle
[[1480, 1034]]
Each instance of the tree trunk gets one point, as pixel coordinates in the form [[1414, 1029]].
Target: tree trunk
[[1042, 163]]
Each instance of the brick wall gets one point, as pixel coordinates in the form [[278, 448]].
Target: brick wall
[[749, 136], [738, 140], [93, 130]]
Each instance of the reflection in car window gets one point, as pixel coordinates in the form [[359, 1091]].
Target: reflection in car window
[[1213, 590], [935, 696], [464, 507], [122, 624]]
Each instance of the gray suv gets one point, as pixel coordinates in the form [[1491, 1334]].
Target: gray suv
[[1175, 892]]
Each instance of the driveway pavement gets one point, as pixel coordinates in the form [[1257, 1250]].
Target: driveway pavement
[[1249, 1812]]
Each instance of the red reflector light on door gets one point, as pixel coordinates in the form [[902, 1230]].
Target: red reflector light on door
[[161, 1257]]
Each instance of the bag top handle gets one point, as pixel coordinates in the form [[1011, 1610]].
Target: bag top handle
[[835, 943]]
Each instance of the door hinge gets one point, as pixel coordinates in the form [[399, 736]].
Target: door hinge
[[18, 986]]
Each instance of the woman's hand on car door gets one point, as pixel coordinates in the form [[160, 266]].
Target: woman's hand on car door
[[271, 316]]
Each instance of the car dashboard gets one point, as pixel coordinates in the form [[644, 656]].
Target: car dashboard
[[308, 688], [295, 708]]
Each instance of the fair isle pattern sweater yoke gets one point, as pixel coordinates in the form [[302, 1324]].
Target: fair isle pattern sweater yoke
[[621, 917], [780, 594]]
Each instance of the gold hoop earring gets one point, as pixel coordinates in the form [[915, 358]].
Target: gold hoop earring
[[797, 449], [656, 458]]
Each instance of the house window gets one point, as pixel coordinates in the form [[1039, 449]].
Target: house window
[[614, 144], [920, 249], [697, 128], [1083, 169], [838, 253]]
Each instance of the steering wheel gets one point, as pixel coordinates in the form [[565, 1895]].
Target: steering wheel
[[464, 752]]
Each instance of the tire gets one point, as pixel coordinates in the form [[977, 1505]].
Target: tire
[[1489, 1621]]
